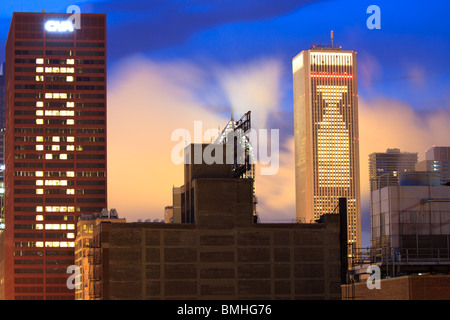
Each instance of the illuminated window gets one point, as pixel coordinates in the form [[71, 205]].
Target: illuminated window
[[70, 191], [39, 191], [39, 226], [70, 121], [51, 112], [39, 104], [63, 156], [70, 174], [39, 139], [40, 183], [39, 121], [55, 139], [70, 104], [70, 148], [39, 78], [39, 209], [69, 78], [39, 113], [67, 113], [39, 147], [39, 173], [39, 244], [39, 69], [39, 61], [56, 182], [48, 156], [70, 139], [55, 147], [70, 61], [40, 217], [70, 235]]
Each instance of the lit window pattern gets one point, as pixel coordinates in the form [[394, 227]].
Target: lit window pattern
[[332, 140], [59, 209], [56, 95], [56, 113], [58, 70], [56, 182], [331, 58], [52, 226]]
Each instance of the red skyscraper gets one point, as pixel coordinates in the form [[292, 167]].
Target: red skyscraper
[[55, 146]]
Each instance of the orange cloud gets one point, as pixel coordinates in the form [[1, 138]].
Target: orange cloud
[[147, 101]]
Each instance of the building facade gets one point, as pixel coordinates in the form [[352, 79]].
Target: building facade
[[326, 135], [385, 167], [408, 287], [220, 252], [414, 214], [2, 146], [55, 146], [437, 159], [85, 257]]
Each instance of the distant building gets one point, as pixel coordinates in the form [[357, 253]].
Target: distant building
[[84, 251], [437, 160], [168, 214], [385, 167], [218, 251], [326, 135], [410, 228]]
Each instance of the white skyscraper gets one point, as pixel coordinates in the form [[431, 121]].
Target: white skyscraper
[[326, 135]]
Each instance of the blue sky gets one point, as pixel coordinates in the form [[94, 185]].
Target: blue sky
[[412, 34], [405, 63]]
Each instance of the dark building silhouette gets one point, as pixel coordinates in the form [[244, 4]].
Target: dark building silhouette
[[218, 252]]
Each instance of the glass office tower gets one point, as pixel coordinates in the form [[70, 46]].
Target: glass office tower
[[55, 146], [326, 135]]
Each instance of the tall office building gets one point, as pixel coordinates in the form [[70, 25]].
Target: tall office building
[[437, 159], [326, 135], [385, 167], [2, 146], [55, 146]]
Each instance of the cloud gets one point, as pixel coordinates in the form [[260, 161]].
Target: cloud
[[276, 193], [254, 87], [387, 123], [161, 24], [147, 102]]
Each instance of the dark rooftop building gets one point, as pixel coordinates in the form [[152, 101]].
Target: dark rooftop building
[[220, 253]]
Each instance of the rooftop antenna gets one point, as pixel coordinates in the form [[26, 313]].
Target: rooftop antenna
[[332, 38]]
